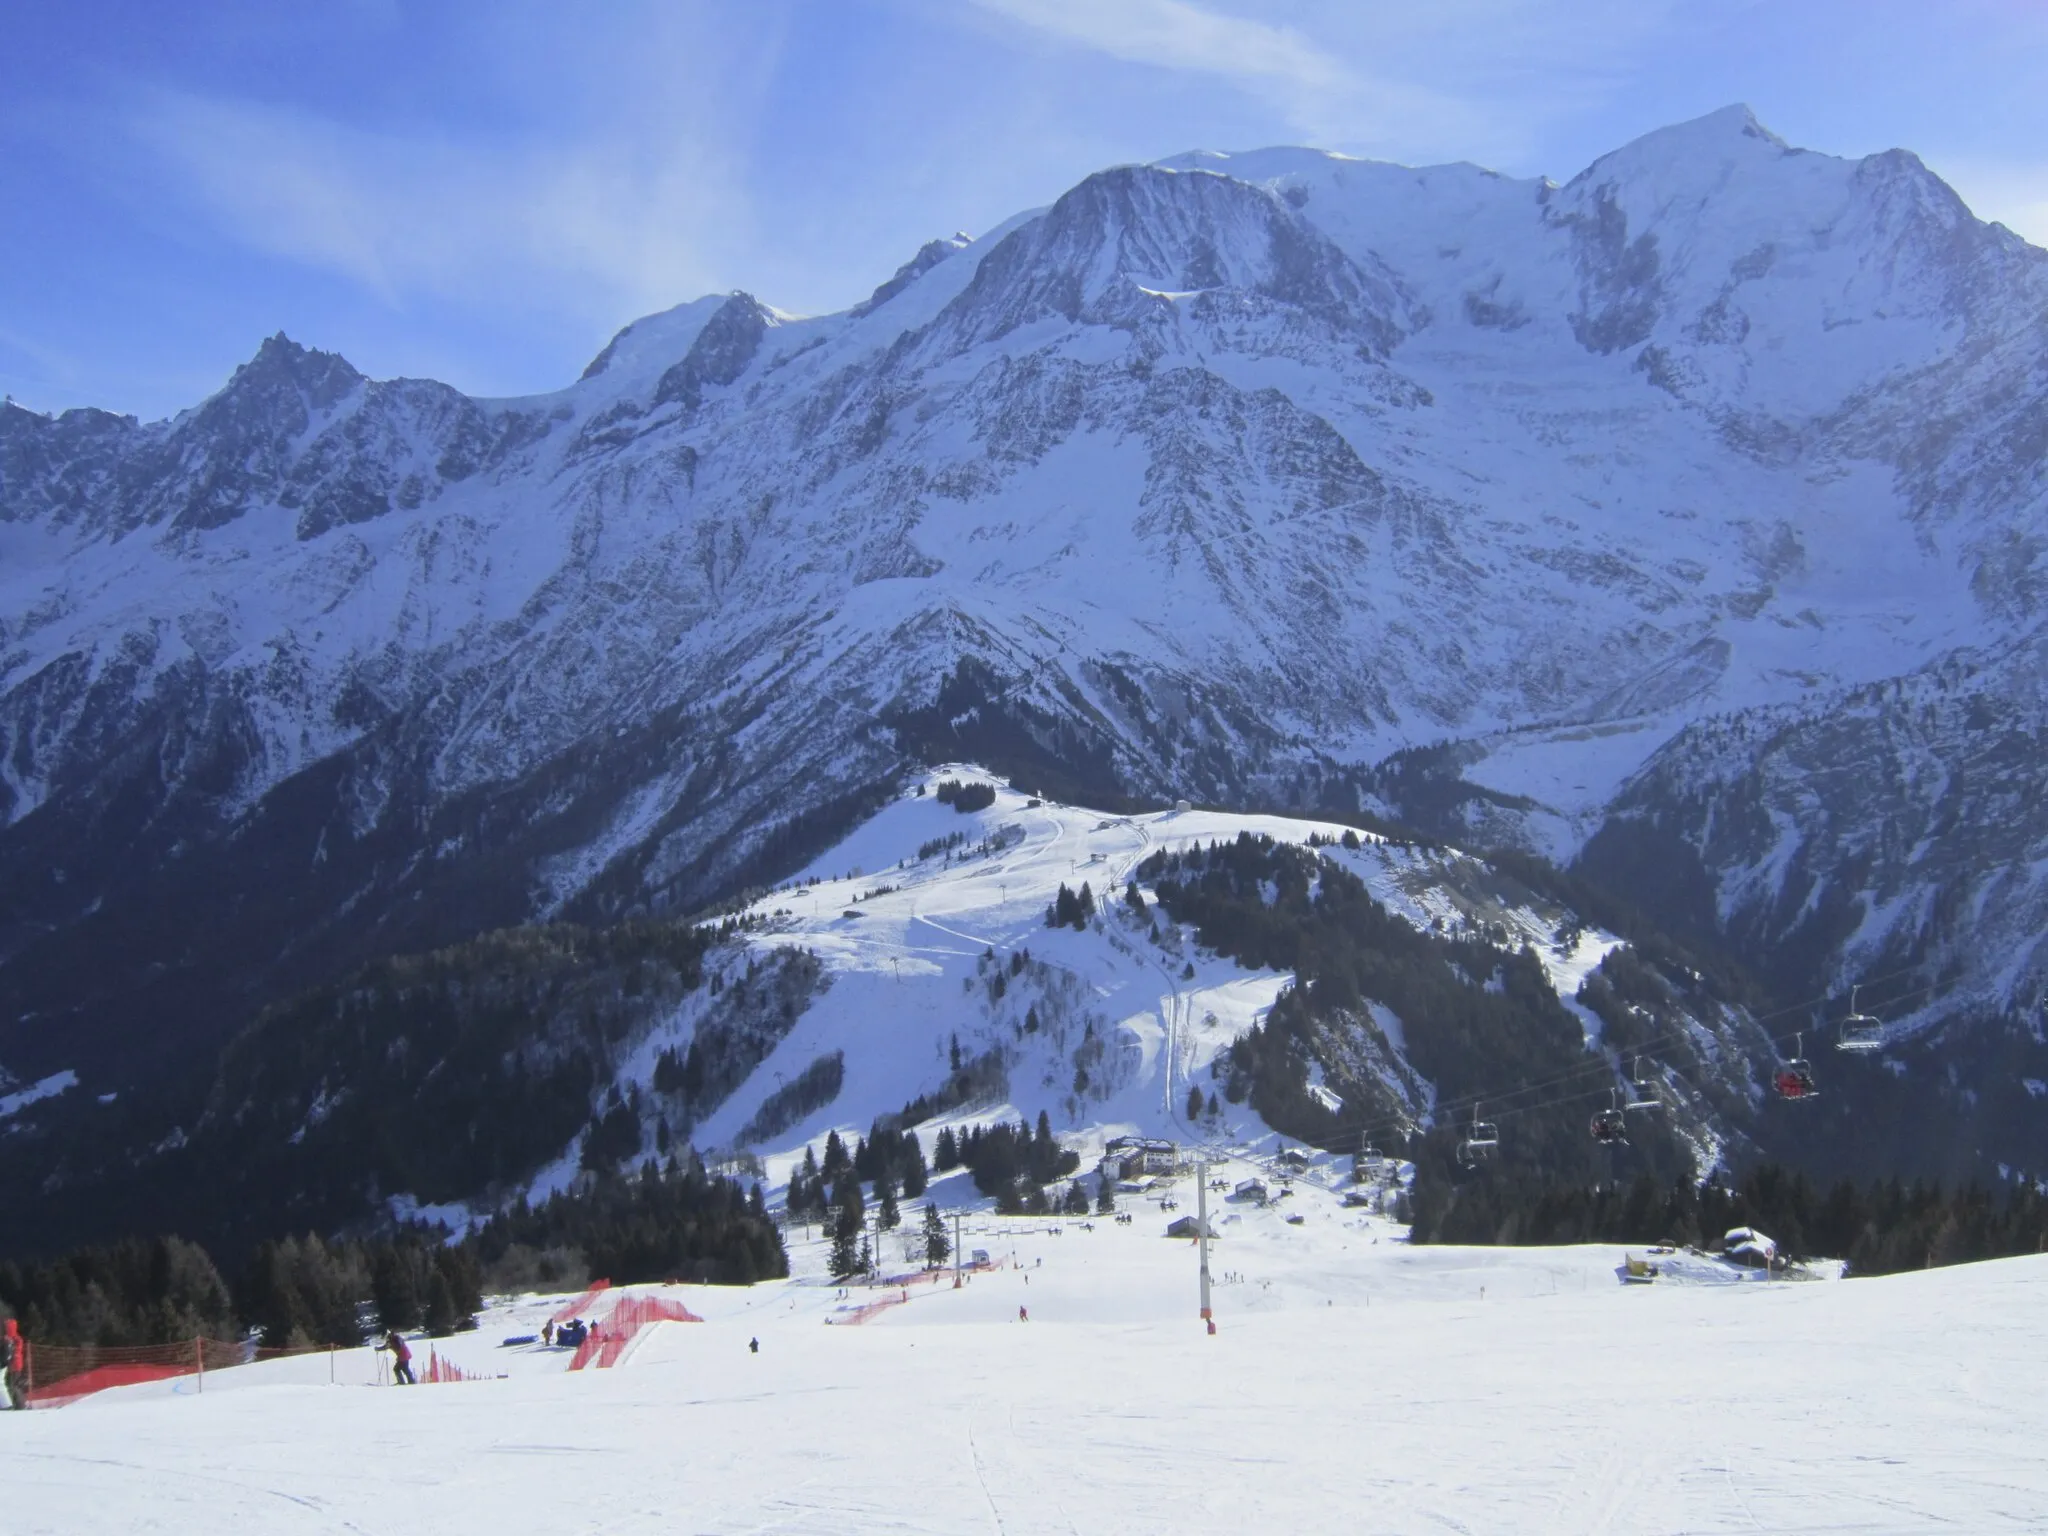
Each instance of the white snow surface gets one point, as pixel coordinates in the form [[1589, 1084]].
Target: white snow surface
[[1354, 1383], [43, 1088], [910, 949]]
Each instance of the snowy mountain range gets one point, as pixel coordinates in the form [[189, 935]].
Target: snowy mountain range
[[1683, 520]]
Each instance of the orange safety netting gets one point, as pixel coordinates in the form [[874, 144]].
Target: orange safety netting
[[620, 1329], [872, 1309], [582, 1303], [56, 1374], [439, 1370]]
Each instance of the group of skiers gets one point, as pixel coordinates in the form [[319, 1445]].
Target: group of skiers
[[570, 1334]]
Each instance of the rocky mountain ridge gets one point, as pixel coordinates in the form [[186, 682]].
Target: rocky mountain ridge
[[1231, 477]]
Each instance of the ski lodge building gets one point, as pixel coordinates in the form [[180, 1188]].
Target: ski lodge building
[[1128, 1157]]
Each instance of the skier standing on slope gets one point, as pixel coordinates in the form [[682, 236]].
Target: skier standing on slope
[[401, 1360], [13, 1363]]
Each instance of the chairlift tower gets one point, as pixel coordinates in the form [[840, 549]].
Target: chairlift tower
[[1202, 1235]]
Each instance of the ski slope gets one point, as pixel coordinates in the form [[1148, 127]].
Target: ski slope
[[911, 947], [1354, 1384]]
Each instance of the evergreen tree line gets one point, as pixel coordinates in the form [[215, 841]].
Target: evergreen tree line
[[1071, 909], [673, 1223], [309, 1290], [1880, 1228], [965, 797], [1011, 1163], [1477, 1018], [970, 1079], [1475, 1015], [294, 1292], [137, 1291], [305, 1291], [888, 1157], [810, 1090]]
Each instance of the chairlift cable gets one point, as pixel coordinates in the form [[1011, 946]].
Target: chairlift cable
[[1444, 1112]]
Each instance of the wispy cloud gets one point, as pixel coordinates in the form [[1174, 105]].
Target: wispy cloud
[[406, 214], [1177, 35], [1325, 92], [1456, 77]]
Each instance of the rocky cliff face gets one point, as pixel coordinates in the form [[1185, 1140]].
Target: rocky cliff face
[[1668, 501]]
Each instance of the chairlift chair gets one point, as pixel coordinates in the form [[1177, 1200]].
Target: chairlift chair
[[1860, 1032], [1644, 1093], [1610, 1125], [1793, 1079], [1480, 1140]]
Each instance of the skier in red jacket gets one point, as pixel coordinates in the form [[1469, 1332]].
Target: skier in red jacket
[[14, 1364], [401, 1360]]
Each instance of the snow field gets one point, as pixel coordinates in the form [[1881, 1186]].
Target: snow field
[[904, 942], [1354, 1384]]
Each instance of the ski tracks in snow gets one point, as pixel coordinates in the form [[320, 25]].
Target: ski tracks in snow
[[1022, 1484]]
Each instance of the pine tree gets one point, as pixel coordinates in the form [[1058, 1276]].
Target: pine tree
[[465, 1282], [836, 1160], [442, 1318], [937, 1247], [887, 1214], [1194, 1109], [946, 1155], [915, 1179], [847, 1239], [1076, 1202], [394, 1288], [1105, 1198], [846, 1197]]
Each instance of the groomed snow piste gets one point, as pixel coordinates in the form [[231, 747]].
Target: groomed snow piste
[[1355, 1384]]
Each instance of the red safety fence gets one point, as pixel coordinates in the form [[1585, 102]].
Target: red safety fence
[[582, 1303], [872, 1309], [439, 1370], [855, 1316], [55, 1375], [620, 1329]]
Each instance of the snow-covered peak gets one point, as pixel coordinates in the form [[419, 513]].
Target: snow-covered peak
[[929, 255], [281, 366], [655, 342], [1706, 145], [1128, 242]]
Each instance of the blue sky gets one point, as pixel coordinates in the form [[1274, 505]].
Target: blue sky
[[483, 193]]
